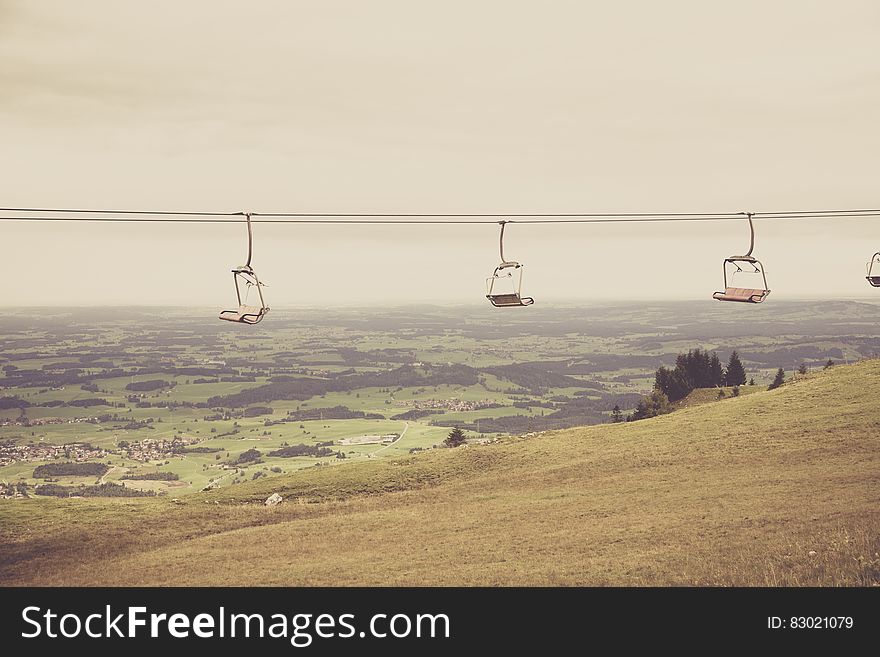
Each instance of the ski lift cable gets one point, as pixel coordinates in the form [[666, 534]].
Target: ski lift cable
[[120, 216]]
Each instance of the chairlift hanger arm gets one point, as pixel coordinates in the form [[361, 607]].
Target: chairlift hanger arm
[[748, 255], [751, 233], [505, 263], [247, 216]]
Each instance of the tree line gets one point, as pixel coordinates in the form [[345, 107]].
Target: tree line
[[98, 490], [695, 369], [698, 369], [70, 469]]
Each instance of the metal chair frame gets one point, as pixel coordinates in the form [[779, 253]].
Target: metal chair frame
[[511, 299], [748, 258], [245, 275]]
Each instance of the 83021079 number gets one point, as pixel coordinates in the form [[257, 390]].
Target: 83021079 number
[[810, 623]]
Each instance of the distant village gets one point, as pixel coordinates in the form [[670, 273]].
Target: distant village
[[78, 452], [148, 449], [449, 404], [153, 449], [24, 421]]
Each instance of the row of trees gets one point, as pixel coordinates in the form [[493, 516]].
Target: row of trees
[[303, 450], [70, 469], [698, 369], [97, 490]]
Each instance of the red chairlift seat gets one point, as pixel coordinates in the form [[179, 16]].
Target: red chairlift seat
[[245, 314], [743, 294]]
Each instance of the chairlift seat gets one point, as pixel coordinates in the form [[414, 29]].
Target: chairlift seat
[[874, 280], [509, 300], [742, 294], [508, 274], [245, 314]]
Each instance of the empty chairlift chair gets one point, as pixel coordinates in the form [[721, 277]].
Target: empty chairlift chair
[[733, 266], [504, 286], [245, 280], [874, 270]]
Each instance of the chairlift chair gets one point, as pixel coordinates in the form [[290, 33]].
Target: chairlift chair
[[504, 286], [874, 272], [245, 277], [735, 264]]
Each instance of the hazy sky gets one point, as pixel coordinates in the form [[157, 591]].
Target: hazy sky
[[454, 106]]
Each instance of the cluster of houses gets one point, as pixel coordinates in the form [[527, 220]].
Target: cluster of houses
[[386, 439], [148, 449], [12, 491], [449, 404], [10, 454], [153, 449], [40, 421]]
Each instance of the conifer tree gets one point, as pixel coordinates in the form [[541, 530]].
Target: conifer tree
[[736, 373], [779, 380], [716, 372], [455, 438]]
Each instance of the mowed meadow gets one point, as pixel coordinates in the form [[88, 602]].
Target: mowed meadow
[[772, 488]]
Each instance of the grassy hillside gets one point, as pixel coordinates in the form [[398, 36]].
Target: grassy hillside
[[770, 488], [710, 395]]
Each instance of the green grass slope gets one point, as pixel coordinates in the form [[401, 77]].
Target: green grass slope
[[710, 395], [770, 488]]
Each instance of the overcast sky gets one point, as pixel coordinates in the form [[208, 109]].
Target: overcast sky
[[454, 106]]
